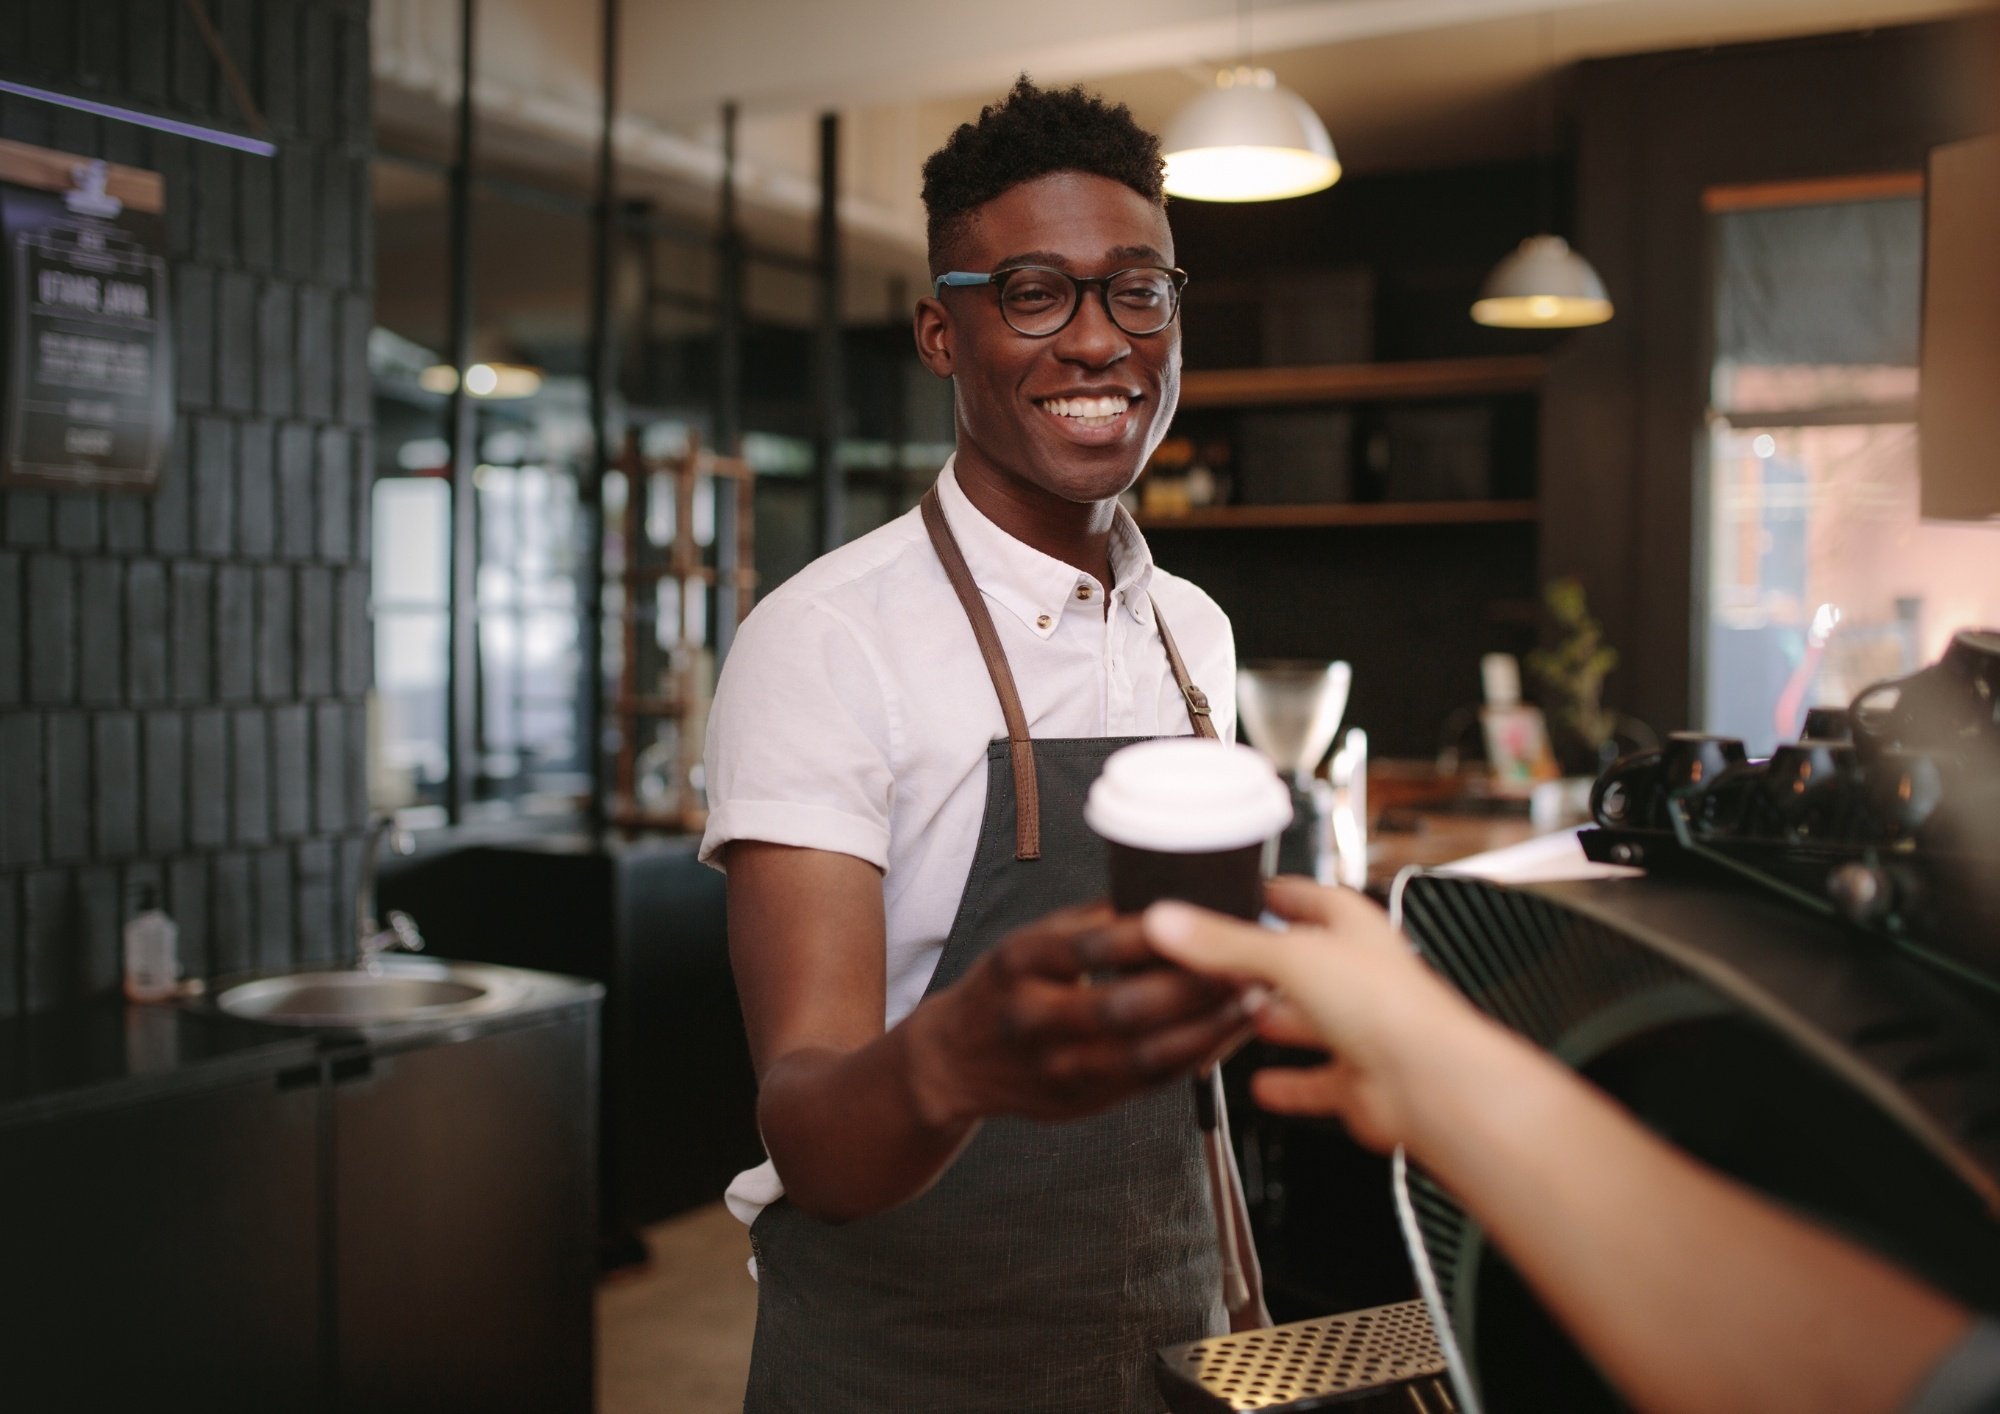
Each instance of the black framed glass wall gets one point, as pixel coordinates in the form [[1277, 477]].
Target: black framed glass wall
[[533, 445], [409, 757], [537, 499]]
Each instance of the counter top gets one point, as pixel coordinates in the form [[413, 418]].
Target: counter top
[[110, 1052], [1427, 818], [1440, 837]]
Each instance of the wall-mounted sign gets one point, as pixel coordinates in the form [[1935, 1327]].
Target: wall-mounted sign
[[89, 379]]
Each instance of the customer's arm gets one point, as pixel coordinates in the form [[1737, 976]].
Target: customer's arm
[[858, 1119], [1690, 1292]]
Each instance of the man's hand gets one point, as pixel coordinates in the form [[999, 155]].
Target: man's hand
[[1066, 1017]]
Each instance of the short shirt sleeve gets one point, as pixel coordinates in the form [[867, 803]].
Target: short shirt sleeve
[[800, 738]]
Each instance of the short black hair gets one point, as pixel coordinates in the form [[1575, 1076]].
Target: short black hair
[[1032, 132]]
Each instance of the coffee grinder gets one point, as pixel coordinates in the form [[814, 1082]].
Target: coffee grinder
[[1291, 710]]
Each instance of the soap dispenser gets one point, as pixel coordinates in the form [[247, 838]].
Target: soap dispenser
[[152, 950]]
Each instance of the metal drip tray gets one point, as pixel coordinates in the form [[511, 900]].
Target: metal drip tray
[[1383, 1358]]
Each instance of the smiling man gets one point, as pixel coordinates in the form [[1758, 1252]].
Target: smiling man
[[986, 1190]]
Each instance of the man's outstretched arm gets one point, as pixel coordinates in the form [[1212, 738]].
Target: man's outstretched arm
[[1060, 1019]]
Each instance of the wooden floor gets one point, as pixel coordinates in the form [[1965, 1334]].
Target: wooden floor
[[673, 1337]]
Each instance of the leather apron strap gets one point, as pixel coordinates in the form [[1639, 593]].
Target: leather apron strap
[[1197, 700], [1020, 747], [1027, 797]]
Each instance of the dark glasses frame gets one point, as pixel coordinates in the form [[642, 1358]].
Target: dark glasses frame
[[1177, 279]]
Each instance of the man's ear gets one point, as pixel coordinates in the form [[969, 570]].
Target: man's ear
[[932, 326]]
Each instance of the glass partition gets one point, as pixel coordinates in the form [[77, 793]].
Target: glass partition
[[410, 516], [531, 256], [532, 439]]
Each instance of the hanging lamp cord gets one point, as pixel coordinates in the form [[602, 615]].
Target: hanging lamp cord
[[1545, 180]]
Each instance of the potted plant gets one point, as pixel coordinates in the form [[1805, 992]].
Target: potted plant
[[1569, 672]]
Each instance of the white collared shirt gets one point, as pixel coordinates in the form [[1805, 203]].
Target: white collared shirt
[[854, 711]]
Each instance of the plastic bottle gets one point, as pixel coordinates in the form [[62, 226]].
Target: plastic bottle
[[152, 951]]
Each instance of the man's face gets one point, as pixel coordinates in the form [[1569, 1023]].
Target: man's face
[[1075, 413]]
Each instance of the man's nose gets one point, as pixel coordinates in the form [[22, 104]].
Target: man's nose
[[1090, 337]]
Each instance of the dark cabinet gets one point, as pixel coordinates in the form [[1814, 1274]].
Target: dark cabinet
[[164, 1255], [463, 1238], [367, 1228]]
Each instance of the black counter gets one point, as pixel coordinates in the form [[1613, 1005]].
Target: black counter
[[109, 1052]]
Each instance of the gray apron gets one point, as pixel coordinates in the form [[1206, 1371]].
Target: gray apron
[[1049, 1261]]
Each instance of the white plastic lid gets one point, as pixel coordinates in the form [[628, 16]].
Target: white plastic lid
[[1187, 795]]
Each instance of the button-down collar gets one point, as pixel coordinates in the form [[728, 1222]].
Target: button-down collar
[[1132, 561], [1038, 588]]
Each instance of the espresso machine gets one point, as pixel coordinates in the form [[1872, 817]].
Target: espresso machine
[[1291, 711], [1885, 813]]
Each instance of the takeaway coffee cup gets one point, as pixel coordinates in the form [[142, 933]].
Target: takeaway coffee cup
[[1188, 819]]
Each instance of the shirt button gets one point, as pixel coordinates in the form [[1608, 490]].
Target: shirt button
[[1043, 621], [1083, 591]]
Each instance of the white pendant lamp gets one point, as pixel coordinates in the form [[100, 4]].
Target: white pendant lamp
[[1247, 139], [1542, 285]]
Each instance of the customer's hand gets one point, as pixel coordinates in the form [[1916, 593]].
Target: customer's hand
[[1066, 1017], [1347, 983]]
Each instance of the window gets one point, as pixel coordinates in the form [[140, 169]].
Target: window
[[1820, 576], [412, 525]]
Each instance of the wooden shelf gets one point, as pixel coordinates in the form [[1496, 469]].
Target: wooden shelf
[[1375, 513], [744, 579], [706, 464], [1362, 382], [649, 707]]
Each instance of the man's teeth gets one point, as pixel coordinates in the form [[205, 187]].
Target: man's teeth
[[1092, 411]]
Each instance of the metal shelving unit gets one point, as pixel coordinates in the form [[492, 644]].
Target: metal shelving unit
[[662, 679]]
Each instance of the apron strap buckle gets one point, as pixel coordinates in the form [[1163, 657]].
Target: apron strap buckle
[[1199, 715]]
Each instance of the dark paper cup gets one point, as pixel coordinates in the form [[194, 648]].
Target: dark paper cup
[[1188, 819], [1228, 881]]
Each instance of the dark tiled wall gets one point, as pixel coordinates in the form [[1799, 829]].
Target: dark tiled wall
[[182, 676]]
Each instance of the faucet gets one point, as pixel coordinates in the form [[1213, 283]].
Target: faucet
[[372, 938]]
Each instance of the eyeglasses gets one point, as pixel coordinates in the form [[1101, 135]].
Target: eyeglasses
[[1039, 301]]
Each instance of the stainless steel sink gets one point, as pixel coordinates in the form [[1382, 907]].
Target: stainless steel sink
[[395, 991]]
